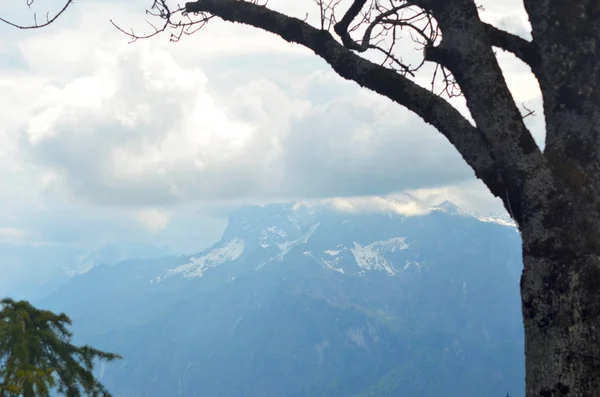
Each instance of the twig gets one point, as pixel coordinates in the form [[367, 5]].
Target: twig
[[35, 23]]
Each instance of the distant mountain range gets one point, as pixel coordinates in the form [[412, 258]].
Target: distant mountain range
[[313, 300], [39, 268]]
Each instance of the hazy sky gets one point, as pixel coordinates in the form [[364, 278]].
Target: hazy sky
[[102, 140]]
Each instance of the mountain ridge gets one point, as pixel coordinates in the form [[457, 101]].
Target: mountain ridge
[[244, 225], [301, 300]]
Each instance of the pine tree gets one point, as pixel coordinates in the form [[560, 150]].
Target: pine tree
[[36, 355]]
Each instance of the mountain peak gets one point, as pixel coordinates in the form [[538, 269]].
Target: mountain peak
[[449, 207]]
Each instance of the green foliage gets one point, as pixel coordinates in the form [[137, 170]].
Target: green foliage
[[36, 355]]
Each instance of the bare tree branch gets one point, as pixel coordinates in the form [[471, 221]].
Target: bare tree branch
[[528, 112], [521, 48], [341, 28], [468, 66], [466, 50], [434, 110], [422, 28], [173, 19], [500, 149], [327, 12], [35, 23]]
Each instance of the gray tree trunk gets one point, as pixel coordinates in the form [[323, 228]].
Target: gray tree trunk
[[560, 312], [560, 286]]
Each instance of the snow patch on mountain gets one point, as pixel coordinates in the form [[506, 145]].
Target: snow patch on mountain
[[287, 246], [412, 263], [80, 268], [500, 220], [329, 264], [197, 266], [267, 234], [371, 257]]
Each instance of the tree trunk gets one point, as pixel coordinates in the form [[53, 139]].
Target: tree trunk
[[561, 312], [561, 243]]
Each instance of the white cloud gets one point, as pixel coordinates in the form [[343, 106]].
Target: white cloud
[[153, 219], [137, 125], [141, 130], [140, 123], [471, 196], [401, 204], [94, 128]]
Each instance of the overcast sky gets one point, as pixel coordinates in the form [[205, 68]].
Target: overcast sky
[[102, 140]]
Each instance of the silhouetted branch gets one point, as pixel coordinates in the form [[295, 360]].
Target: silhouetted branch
[[381, 23], [529, 112], [36, 25], [350, 65], [521, 48], [174, 19]]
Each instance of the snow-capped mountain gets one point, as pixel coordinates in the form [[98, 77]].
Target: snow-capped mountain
[[302, 299], [261, 235], [214, 257]]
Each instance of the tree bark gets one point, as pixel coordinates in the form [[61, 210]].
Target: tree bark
[[560, 286], [561, 314]]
